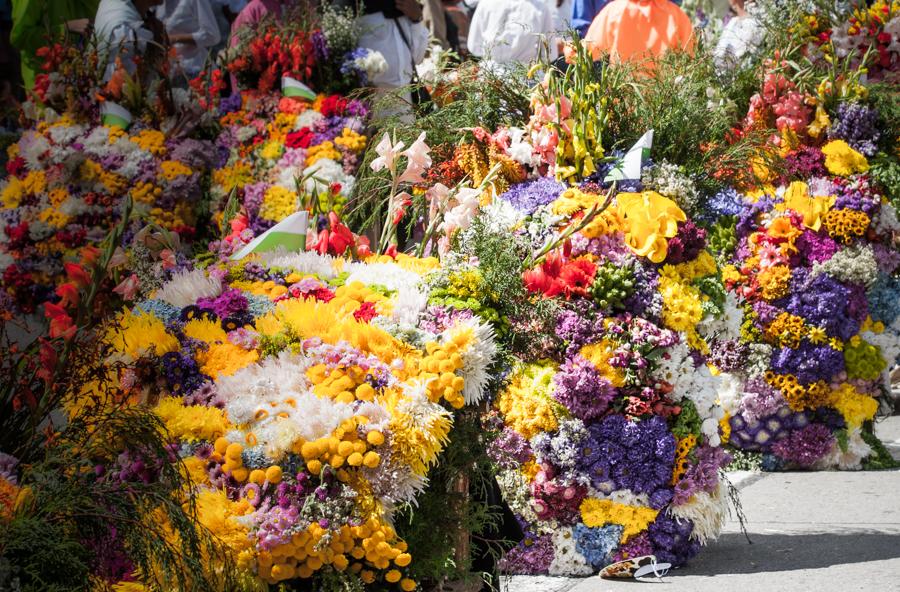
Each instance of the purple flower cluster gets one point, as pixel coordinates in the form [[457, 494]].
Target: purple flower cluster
[[805, 446], [728, 355], [702, 475], [816, 247], [808, 362], [229, 303], [532, 556], [671, 540], [805, 163], [619, 454], [857, 124], [181, 373], [822, 301], [437, 318], [509, 449], [687, 244], [762, 433], [727, 202], [576, 327], [527, 197], [579, 387]]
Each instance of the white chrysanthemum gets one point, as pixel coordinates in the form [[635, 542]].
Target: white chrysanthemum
[[520, 150], [307, 119], [378, 416], [517, 493], [845, 460], [729, 392], [410, 299], [185, 288], [74, 206], [305, 262], [64, 134], [625, 497], [477, 356], [499, 216], [32, 146], [728, 324], [97, 142], [419, 411], [274, 400], [288, 177], [707, 512], [696, 384], [567, 561], [322, 173]]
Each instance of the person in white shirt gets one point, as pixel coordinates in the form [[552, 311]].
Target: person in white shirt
[[740, 37], [123, 32], [508, 31], [192, 29], [562, 15]]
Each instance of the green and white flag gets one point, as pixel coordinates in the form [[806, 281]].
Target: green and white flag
[[291, 87], [115, 115], [630, 166], [289, 234]]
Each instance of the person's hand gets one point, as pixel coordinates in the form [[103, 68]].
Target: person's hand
[[79, 26], [411, 8]]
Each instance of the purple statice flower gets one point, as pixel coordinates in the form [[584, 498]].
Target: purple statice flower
[[703, 475], [532, 556], [671, 540], [887, 259], [808, 362], [644, 333], [527, 197], [760, 399], [822, 301], [619, 454], [438, 318], [765, 312], [230, 104], [230, 302], [805, 163], [197, 154], [254, 193], [560, 449], [687, 244], [327, 129], [509, 449], [576, 327], [582, 390], [857, 195], [728, 355], [816, 247], [596, 545], [805, 446], [857, 304], [292, 157], [637, 546], [857, 124], [646, 299], [357, 108]]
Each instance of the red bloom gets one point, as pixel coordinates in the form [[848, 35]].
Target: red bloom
[[61, 324], [15, 166], [77, 274], [301, 138], [557, 276], [68, 294], [366, 312], [333, 105], [336, 239]]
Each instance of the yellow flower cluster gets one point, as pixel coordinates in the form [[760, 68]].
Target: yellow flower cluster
[[842, 160], [267, 288], [413, 443], [704, 265], [320, 151], [53, 217], [682, 450], [350, 140], [845, 225], [854, 406], [438, 370], [682, 308], [234, 176], [224, 359], [343, 447], [599, 355], [573, 200], [344, 385], [786, 330], [798, 199], [172, 169], [152, 141], [775, 282], [12, 194], [191, 422], [35, 182], [137, 335], [278, 203], [650, 220], [526, 404], [144, 192], [799, 396], [596, 513]]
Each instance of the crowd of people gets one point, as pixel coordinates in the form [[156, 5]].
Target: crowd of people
[[499, 32]]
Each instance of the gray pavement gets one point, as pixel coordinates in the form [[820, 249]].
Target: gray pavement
[[822, 532]]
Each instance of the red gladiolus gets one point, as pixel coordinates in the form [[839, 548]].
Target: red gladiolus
[[61, 324], [391, 251], [68, 294], [77, 274], [48, 357]]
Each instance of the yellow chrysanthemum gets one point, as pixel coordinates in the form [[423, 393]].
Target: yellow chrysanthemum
[[172, 169], [278, 203], [842, 160], [526, 403], [224, 359], [856, 407], [136, 335], [13, 193], [596, 513], [599, 355], [191, 422], [205, 330], [152, 141], [682, 305]]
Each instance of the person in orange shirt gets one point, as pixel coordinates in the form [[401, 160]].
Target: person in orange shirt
[[633, 30]]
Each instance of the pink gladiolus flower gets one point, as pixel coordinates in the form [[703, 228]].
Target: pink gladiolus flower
[[387, 154], [418, 160], [128, 287]]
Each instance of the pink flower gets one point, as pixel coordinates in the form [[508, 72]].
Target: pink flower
[[417, 160], [128, 288], [168, 258], [387, 154], [118, 259]]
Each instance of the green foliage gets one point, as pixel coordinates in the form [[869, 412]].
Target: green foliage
[[885, 171], [688, 421], [881, 458]]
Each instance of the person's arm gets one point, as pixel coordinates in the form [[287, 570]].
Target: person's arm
[[583, 13]]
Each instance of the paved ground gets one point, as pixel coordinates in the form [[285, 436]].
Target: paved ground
[[819, 532]]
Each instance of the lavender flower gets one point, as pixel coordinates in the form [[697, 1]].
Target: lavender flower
[[857, 124], [805, 446], [582, 390], [527, 197]]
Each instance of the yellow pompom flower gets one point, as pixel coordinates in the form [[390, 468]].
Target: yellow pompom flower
[[842, 160], [278, 203], [172, 169], [854, 406], [350, 140], [152, 141]]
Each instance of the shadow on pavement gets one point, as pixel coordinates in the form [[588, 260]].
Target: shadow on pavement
[[731, 554]]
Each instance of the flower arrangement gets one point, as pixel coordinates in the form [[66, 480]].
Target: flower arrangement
[[283, 154], [66, 186], [305, 401], [606, 433]]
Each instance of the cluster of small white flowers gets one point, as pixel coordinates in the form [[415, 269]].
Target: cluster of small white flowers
[[373, 63], [517, 494], [567, 561], [855, 265], [669, 180], [186, 287], [696, 384]]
